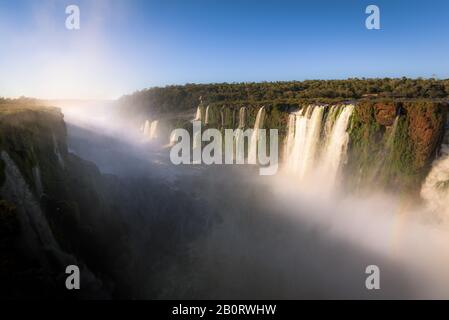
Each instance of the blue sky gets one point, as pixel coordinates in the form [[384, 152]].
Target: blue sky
[[127, 45]]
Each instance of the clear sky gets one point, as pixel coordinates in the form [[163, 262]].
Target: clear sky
[[127, 45]]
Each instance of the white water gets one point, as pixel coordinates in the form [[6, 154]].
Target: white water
[[290, 135], [150, 129], [252, 152], [305, 145], [173, 139], [240, 137], [435, 189], [336, 148], [309, 153], [198, 114], [206, 120], [153, 130]]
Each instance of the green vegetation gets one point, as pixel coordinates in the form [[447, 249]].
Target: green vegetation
[[392, 143], [175, 98]]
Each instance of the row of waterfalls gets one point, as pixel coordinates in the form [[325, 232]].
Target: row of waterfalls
[[239, 141], [149, 129], [315, 146]]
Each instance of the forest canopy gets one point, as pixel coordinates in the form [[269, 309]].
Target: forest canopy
[[183, 97]]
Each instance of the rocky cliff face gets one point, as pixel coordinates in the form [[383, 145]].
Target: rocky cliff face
[[43, 189], [392, 143], [57, 209]]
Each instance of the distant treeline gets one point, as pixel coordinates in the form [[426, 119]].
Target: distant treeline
[[175, 98], [22, 101]]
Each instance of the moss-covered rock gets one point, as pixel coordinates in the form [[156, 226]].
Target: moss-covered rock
[[385, 112], [427, 120], [392, 143]]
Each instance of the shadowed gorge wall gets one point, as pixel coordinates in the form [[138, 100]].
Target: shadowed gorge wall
[[62, 186]]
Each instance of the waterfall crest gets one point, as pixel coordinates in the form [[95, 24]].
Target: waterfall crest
[[198, 114], [206, 120], [242, 117], [150, 129], [336, 148], [252, 152], [316, 143]]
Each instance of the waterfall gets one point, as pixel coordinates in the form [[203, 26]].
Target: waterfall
[[150, 129], [335, 152], [198, 114], [390, 140], [242, 117], [312, 140], [206, 120], [290, 136], [153, 130], [173, 139], [305, 140], [252, 153], [316, 143], [385, 152], [435, 189], [329, 123]]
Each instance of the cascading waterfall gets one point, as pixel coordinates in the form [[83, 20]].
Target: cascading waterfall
[[150, 129], [312, 139], [173, 139], [305, 140], [435, 189], [153, 130], [336, 149], [206, 120], [198, 114], [388, 147], [290, 135], [298, 141], [302, 152], [394, 129], [329, 123], [252, 152], [240, 137]]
